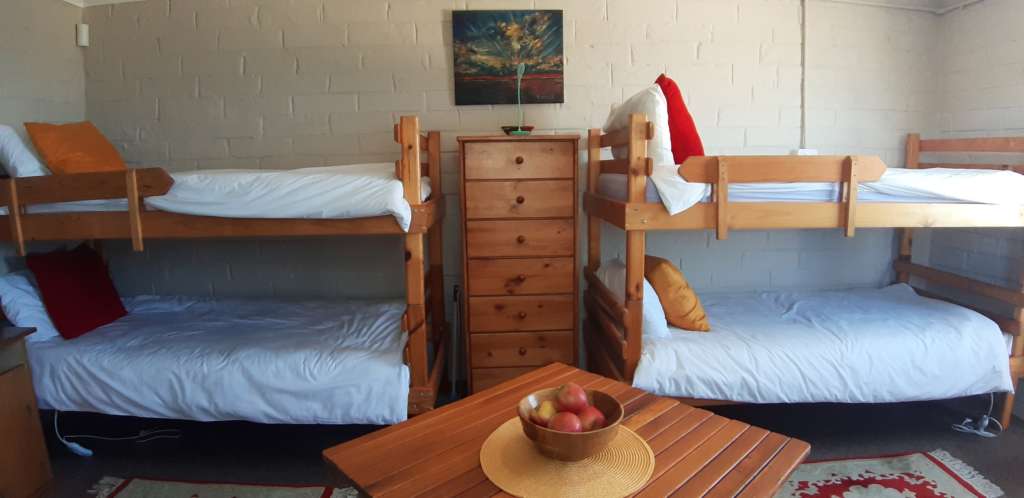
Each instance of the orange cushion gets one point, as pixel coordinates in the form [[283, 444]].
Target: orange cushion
[[682, 306], [74, 148]]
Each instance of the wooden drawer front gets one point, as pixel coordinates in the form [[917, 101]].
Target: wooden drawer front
[[519, 238], [24, 464], [497, 314], [520, 199], [496, 277], [484, 378], [534, 349], [514, 160]]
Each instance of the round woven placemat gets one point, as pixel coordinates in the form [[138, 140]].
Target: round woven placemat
[[512, 463]]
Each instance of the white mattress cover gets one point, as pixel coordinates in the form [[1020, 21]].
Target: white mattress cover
[[256, 360], [851, 346], [936, 185], [332, 192]]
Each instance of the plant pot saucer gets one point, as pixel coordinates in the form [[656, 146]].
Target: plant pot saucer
[[517, 130]]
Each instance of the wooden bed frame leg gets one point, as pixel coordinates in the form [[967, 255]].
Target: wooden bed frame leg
[[1006, 412], [416, 310], [636, 247], [593, 177]]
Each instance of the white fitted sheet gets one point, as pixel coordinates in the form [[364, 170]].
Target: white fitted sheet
[[937, 185], [332, 192], [850, 346], [337, 362]]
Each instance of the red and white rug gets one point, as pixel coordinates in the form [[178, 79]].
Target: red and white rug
[[936, 474], [115, 487]]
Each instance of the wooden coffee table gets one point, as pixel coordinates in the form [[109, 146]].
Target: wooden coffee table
[[697, 453]]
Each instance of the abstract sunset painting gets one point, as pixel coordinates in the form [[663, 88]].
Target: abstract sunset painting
[[490, 45]]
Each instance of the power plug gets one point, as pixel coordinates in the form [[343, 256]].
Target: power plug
[[78, 449]]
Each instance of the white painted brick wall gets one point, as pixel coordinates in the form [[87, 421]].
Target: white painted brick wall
[[41, 72], [261, 83]]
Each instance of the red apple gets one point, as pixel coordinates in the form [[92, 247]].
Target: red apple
[[565, 422], [591, 418], [572, 398], [543, 413]]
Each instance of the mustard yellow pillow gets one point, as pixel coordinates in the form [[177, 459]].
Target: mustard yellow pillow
[[682, 306]]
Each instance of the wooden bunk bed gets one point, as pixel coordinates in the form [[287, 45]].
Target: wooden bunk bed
[[613, 329], [424, 318]]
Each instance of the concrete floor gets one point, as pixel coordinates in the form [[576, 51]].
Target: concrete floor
[[242, 452]]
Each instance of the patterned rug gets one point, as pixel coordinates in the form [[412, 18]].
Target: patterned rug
[[914, 475], [111, 487]]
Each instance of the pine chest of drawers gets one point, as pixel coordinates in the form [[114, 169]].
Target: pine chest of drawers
[[519, 228]]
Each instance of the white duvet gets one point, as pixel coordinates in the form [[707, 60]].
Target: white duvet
[[255, 360], [851, 346], [332, 192], [936, 185]]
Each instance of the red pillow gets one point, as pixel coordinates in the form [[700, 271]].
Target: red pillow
[[76, 290], [685, 139]]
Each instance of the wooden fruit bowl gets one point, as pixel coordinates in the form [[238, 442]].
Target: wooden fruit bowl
[[571, 446]]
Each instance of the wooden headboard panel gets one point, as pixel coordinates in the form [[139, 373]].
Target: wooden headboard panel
[[1003, 145]]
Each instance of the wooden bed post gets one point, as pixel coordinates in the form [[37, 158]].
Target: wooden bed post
[[593, 177], [907, 234], [407, 134], [435, 239], [636, 242], [1016, 365]]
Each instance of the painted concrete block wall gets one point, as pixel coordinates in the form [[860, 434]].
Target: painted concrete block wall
[[982, 76], [41, 70], [272, 84], [982, 95]]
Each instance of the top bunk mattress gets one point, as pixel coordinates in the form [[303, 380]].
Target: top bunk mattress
[[336, 362], [937, 185], [850, 346], [332, 192]]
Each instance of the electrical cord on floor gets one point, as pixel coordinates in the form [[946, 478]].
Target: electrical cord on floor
[[144, 436], [980, 426]]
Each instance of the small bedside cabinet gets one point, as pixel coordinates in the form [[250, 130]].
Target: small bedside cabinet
[[24, 464], [519, 255]]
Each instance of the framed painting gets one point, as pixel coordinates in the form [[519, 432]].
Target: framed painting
[[491, 46]]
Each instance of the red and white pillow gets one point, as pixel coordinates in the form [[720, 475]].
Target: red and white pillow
[[675, 133]]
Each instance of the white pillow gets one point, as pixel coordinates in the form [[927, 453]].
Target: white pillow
[[20, 300], [651, 102], [15, 156], [613, 275]]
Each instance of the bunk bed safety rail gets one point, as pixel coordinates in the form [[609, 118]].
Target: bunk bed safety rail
[[133, 184], [720, 171]]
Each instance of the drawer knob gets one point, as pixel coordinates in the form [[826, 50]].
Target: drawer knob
[[521, 239], [522, 351], [520, 200], [521, 278], [522, 315], [520, 159]]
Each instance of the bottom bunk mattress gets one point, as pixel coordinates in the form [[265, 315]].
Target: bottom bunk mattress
[[849, 346], [212, 360]]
